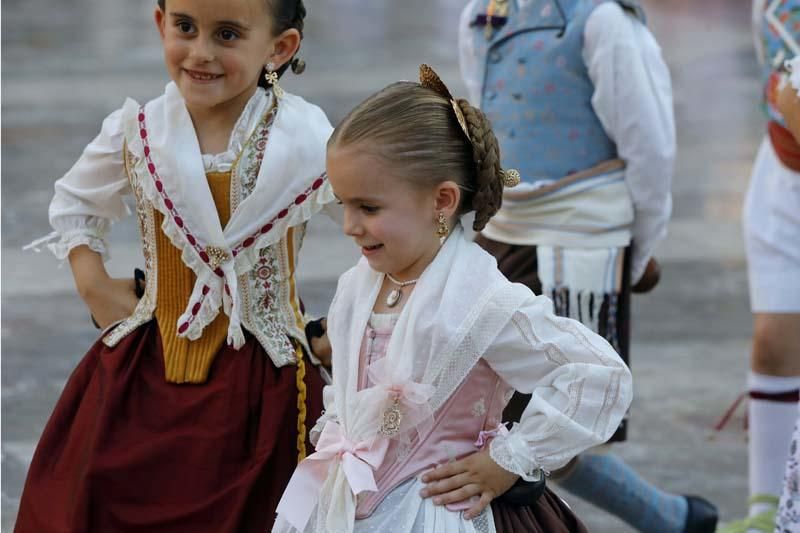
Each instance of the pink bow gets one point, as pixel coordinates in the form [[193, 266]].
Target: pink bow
[[484, 436], [358, 461]]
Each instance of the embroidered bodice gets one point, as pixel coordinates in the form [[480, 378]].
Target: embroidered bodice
[[187, 361], [477, 405]]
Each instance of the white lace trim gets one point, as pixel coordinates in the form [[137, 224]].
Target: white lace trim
[[510, 454], [242, 130], [92, 234]]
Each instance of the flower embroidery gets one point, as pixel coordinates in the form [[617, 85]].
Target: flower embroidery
[[479, 408]]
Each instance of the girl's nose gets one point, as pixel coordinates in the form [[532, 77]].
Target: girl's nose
[[202, 51], [352, 226]]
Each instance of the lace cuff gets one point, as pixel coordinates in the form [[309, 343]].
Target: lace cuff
[[75, 231], [513, 455]]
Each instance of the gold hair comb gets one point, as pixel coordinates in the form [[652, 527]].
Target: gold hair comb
[[430, 80]]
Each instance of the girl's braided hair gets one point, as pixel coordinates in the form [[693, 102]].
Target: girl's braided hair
[[420, 128]]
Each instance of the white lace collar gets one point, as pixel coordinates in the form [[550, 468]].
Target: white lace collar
[[242, 130]]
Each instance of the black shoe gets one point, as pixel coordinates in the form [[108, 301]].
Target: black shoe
[[701, 517]]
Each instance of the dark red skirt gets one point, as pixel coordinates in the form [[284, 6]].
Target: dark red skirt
[[548, 515], [126, 451]]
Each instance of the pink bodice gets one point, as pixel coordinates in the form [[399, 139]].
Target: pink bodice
[[477, 405]]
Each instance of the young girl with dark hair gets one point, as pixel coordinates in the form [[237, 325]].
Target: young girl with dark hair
[[189, 413]]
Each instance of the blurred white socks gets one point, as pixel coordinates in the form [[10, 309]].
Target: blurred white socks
[[772, 413]]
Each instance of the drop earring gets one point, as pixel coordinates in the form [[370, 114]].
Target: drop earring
[[442, 229], [272, 79]]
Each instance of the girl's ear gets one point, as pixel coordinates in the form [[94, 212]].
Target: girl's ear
[[284, 48], [448, 197], [161, 21]]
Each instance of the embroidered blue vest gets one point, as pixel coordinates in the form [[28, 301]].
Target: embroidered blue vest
[[536, 89]]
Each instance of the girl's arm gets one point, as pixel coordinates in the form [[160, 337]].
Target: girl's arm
[[87, 200], [109, 299], [580, 389]]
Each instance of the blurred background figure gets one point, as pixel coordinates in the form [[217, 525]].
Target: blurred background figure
[[581, 101], [772, 239]]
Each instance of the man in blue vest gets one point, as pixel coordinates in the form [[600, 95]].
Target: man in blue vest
[[581, 102]]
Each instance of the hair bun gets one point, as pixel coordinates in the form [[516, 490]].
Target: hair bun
[[298, 66]]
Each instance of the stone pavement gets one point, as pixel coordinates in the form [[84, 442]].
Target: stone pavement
[[68, 64]]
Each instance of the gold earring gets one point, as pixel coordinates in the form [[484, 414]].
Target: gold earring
[[272, 80], [442, 229]]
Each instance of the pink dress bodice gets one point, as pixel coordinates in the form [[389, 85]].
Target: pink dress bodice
[[477, 405]]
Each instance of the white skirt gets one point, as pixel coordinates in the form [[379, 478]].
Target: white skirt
[[772, 234]]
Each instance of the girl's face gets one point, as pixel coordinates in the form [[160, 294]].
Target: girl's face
[[215, 49], [392, 220]]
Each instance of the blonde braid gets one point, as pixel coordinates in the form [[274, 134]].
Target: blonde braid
[[488, 185]]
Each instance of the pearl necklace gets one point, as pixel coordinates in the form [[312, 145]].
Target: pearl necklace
[[396, 294]]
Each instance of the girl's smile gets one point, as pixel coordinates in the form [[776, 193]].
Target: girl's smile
[[202, 77]]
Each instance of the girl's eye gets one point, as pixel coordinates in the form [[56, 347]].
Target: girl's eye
[[228, 35], [371, 209], [185, 26], [339, 202]]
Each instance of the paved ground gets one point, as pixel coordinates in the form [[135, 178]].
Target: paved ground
[[68, 64]]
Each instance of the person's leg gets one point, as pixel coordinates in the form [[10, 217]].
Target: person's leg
[[773, 386], [772, 238], [609, 483]]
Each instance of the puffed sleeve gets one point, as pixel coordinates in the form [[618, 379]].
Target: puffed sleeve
[[90, 195], [579, 385]]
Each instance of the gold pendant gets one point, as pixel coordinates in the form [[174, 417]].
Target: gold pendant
[[392, 417]]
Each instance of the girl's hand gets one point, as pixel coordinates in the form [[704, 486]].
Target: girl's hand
[[650, 277], [109, 300], [112, 300], [475, 475]]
